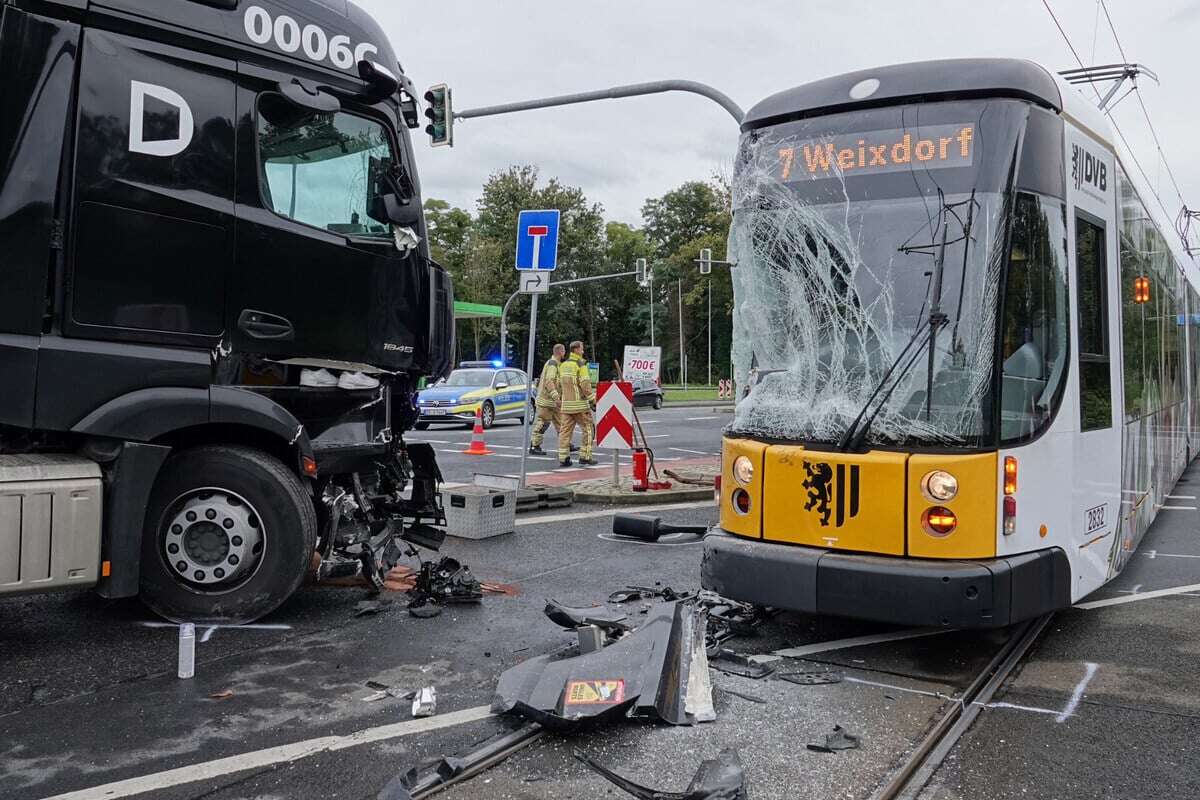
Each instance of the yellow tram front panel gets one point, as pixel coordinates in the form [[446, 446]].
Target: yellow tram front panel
[[973, 507], [841, 501], [733, 519]]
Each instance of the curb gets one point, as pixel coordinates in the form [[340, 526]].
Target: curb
[[630, 498]]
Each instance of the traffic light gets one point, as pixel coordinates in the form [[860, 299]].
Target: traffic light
[[641, 271], [1141, 289], [440, 115], [510, 353], [706, 261]]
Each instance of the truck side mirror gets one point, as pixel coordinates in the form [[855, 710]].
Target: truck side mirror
[[390, 194], [380, 80]]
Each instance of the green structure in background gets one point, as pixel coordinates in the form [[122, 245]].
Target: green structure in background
[[475, 311]]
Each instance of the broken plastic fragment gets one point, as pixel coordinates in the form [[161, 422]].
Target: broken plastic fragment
[[721, 778], [425, 702], [810, 678], [837, 739]]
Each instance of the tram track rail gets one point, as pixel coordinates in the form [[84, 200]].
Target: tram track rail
[[912, 776]]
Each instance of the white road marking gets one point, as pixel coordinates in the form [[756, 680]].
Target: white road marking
[[658, 436], [1181, 497], [258, 759], [1177, 508], [693, 452], [431, 441], [856, 641], [699, 419], [593, 514], [1077, 695], [1134, 598]]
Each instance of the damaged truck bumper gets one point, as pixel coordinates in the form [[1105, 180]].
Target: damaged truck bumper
[[981, 593]]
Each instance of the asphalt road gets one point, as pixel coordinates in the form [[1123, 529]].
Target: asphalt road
[[674, 434], [89, 701]]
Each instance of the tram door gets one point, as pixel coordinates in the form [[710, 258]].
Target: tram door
[[1095, 286]]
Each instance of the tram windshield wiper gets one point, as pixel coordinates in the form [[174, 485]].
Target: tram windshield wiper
[[856, 433]]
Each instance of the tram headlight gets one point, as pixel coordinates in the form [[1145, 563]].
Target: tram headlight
[[939, 521], [743, 470], [939, 486]]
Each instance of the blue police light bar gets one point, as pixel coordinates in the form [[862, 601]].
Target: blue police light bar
[[497, 363]]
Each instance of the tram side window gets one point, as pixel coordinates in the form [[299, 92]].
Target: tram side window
[[1034, 327], [1095, 385]]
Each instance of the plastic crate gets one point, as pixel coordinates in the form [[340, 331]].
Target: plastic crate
[[477, 512]]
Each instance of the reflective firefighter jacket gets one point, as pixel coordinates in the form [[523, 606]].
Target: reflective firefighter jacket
[[548, 393], [575, 384]]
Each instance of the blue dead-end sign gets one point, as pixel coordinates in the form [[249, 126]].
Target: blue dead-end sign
[[537, 239]]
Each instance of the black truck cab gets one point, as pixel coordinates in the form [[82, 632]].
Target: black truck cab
[[200, 200]]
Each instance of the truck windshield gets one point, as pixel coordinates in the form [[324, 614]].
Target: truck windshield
[[316, 167], [857, 236]]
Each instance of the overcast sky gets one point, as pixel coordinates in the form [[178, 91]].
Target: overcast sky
[[622, 151]]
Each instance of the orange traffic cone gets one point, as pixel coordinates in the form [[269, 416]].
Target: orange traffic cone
[[478, 448]]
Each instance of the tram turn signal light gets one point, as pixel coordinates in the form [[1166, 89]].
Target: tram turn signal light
[[939, 521], [1010, 475], [1010, 516], [1141, 289]]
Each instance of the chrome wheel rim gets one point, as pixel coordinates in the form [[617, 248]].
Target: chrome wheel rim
[[213, 539]]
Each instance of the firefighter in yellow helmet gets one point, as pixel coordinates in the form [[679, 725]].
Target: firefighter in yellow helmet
[[548, 399], [575, 384]]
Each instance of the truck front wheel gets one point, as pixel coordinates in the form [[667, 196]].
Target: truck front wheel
[[230, 533]]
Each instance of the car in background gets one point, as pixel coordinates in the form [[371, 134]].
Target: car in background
[[647, 394], [494, 391]]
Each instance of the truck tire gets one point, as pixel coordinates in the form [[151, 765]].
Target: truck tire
[[230, 532]]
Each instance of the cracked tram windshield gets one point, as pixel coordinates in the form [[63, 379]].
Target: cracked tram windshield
[[870, 248]]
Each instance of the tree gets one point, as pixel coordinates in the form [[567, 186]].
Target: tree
[[696, 215]]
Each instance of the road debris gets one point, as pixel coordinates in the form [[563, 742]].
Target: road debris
[[442, 582], [366, 608], [731, 663], [650, 529], [837, 739], [222, 695], [423, 781], [721, 778], [753, 698], [383, 690], [658, 671], [572, 618], [424, 702], [811, 678]]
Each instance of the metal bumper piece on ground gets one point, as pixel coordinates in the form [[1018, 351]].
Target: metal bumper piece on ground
[[987, 593]]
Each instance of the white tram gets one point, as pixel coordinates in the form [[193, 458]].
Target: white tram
[[971, 345]]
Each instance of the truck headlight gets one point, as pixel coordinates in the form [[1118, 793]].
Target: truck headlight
[[743, 470]]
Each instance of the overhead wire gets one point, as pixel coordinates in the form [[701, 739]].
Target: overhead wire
[[1108, 111]]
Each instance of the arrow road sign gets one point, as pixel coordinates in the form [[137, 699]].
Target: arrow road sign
[[534, 282], [614, 410], [537, 240]]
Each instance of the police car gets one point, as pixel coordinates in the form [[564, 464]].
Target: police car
[[499, 392]]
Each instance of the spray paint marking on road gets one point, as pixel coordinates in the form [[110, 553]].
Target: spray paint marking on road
[[1077, 695]]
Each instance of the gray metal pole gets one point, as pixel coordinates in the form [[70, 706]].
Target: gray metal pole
[[629, 90], [651, 311], [682, 354], [710, 332], [529, 377], [504, 327]]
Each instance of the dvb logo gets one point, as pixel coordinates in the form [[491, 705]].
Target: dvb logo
[[1087, 169], [163, 128]]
